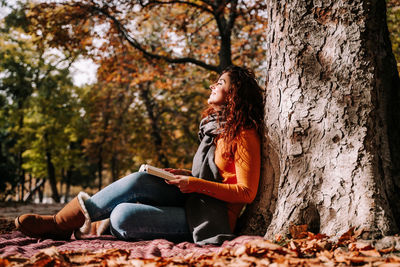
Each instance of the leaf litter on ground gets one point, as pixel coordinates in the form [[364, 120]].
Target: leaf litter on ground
[[301, 249]]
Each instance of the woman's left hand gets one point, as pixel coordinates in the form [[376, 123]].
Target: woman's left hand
[[182, 182]]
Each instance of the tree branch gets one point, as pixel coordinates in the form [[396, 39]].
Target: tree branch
[[155, 2], [136, 44], [233, 15]]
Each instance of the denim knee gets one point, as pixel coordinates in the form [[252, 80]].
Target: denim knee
[[141, 221], [118, 221], [143, 182], [137, 179]]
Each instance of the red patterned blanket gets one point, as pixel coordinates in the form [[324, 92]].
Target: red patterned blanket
[[16, 243]]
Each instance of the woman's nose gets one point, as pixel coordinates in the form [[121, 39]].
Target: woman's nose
[[212, 86]]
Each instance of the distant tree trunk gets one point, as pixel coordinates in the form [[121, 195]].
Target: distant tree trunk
[[100, 167], [114, 167], [155, 129], [38, 185], [68, 183], [104, 136], [332, 147], [40, 193], [51, 173], [30, 183], [21, 180], [21, 171], [66, 175], [123, 102]]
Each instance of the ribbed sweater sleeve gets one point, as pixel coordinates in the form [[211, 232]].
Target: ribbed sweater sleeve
[[244, 169]]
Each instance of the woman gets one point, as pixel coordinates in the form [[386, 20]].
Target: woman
[[201, 205]]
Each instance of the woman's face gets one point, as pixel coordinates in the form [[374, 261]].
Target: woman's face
[[219, 90]]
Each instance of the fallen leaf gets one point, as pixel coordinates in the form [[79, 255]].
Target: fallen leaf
[[389, 264], [370, 253], [4, 262], [312, 250], [347, 236], [316, 236], [298, 231], [387, 250], [278, 238], [359, 245]]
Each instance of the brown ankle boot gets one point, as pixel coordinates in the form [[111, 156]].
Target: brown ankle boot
[[59, 226]]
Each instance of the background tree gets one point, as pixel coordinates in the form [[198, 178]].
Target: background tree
[[136, 115], [40, 105], [16, 89], [393, 20], [209, 34], [332, 144]]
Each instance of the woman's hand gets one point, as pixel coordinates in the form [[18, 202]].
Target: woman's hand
[[182, 182], [178, 171]]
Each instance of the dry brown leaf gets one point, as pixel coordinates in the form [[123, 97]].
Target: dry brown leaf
[[370, 253], [389, 264], [278, 238], [4, 262], [240, 250], [342, 258], [347, 236], [325, 256], [393, 258], [292, 245], [359, 245], [302, 262], [387, 250], [326, 253], [316, 236], [361, 259], [298, 231]]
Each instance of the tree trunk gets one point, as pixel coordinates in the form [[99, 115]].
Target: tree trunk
[[114, 167], [332, 152], [155, 129], [100, 166], [37, 187], [68, 183], [40, 193], [21, 170], [30, 184], [51, 173], [66, 180]]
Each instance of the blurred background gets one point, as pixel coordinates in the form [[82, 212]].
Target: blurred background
[[90, 90]]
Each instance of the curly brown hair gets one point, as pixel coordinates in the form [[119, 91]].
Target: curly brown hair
[[244, 107]]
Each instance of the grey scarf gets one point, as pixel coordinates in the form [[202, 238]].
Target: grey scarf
[[207, 217], [203, 162]]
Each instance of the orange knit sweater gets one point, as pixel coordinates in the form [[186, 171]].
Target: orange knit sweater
[[240, 174]]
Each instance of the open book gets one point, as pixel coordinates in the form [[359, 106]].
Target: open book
[[156, 172]]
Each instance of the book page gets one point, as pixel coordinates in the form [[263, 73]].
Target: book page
[[156, 172]]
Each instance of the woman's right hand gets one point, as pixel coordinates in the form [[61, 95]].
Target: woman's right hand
[[178, 171]]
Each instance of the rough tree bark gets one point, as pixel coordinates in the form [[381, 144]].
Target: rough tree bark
[[331, 149]]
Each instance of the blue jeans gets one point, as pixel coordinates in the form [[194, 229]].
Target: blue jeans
[[141, 206]]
